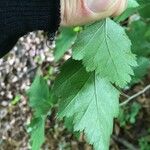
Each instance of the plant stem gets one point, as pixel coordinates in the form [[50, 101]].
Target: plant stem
[[135, 95]]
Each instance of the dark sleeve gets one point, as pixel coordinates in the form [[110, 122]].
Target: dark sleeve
[[18, 17]]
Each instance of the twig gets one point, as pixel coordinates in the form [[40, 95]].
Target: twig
[[124, 95], [124, 143], [136, 95]]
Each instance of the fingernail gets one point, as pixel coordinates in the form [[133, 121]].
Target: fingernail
[[97, 5]]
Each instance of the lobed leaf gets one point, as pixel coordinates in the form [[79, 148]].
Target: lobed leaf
[[90, 100], [105, 48], [41, 102]]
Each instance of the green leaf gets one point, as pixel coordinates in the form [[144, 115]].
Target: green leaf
[[68, 122], [122, 118], [37, 136], [131, 9], [90, 100], [143, 2], [132, 4], [138, 34], [144, 9], [144, 142], [128, 114], [147, 34], [105, 48], [64, 42], [40, 97], [41, 102], [141, 70], [135, 108]]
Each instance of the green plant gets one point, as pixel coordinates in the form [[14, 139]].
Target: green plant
[[129, 114], [144, 143], [16, 99], [85, 90]]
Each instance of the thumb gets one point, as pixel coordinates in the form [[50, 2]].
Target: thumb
[[98, 6], [78, 12]]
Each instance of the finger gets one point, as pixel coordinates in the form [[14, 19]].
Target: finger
[[112, 8], [78, 12], [98, 5]]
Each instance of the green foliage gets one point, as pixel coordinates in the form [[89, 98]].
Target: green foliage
[[144, 143], [64, 42], [147, 34], [37, 132], [144, 2], [68, 122], [83, 95], [129, 114], [132, 4], [105, 48], [145, 11], [137, 32], [132, 8], [141, 70], [87, 98], [135, 108], [41, 102], [16, 99], [40, 97]]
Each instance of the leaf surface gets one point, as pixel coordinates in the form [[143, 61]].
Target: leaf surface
[[40, 100], [64, 42], [90, 100], [105, 48], [38, 129], [40, 97]]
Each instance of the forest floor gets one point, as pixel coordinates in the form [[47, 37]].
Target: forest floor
[[17, 70]]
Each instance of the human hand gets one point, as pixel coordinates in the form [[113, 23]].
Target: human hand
[[17, 19], [78, 12]]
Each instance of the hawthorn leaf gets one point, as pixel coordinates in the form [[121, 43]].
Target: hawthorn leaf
[[90, 100], [40, 100], [39, 97], [105, 48]]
